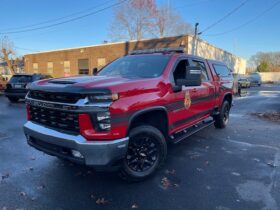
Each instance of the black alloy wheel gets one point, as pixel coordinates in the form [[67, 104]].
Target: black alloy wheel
[[142, 153], [146, 152]]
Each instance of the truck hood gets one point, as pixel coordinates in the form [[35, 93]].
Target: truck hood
[[84, 84]]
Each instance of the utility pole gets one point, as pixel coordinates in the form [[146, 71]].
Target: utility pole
[[194, 45]]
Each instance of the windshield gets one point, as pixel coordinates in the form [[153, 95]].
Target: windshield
[[144, 66], [21, 79]]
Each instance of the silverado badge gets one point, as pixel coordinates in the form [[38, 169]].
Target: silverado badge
[[187, 101]]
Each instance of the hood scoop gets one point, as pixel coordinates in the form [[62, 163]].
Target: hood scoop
[[62, 82]]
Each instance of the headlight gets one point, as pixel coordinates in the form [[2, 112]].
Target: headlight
[[101, 116], [103, 121], [105, 97]]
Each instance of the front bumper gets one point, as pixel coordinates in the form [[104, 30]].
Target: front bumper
[[15, 93], [98, 154]]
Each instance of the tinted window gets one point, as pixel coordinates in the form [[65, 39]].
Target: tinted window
[[180, 71], [204, 74], [21, 79], [221, 70], [144, 66]]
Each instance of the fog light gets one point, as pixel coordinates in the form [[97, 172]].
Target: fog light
[[105, 126], [77, 154]]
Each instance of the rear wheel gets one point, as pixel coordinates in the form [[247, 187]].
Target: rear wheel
[[146, 152], [221, 120], [13, 99]]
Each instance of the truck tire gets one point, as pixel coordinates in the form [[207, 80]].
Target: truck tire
[[221, 120], [146, 152], [13, 99]]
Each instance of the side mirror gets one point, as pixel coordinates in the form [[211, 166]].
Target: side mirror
[[94, 71], [193, 76]]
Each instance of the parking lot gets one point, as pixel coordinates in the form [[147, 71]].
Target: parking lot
[[234, 168]]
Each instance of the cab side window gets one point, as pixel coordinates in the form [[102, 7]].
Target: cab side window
[[180, 71], [204, 74]]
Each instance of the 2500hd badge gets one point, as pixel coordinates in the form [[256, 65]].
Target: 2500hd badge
[[125, 116]]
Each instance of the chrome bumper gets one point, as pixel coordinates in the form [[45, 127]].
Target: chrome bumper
[[97, 153]]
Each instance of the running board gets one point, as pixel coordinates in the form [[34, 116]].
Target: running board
[[181, 135]]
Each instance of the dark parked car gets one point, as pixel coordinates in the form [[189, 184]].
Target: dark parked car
[[255, 79], [18, 85]]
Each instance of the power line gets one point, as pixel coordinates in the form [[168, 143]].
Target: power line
[[224, 17], [56, 19], [248, 22], [66, 21]]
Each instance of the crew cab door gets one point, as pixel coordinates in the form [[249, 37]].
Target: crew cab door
[[205, 97], [181, 111]]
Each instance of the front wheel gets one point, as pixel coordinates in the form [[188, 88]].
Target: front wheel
[[146, 152], [221, 120]]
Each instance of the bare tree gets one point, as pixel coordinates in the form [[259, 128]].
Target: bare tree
[[132, 20], [269, 61], [138, 19], [7, 52], [169, 23]]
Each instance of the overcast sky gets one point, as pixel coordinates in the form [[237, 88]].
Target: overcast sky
[[260, 34]]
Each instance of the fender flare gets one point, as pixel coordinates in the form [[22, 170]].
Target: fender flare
[[224, 97], [144, 111]]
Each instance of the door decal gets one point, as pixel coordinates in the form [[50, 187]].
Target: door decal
[[187, 101]]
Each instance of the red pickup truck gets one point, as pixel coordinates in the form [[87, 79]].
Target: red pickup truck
[[126, 115]]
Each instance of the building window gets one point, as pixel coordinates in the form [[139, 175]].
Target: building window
[[83, 66], [66, 66], [101, 62], [50, 67], [35, 67]]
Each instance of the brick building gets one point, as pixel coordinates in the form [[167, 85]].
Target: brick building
[[82, 60]]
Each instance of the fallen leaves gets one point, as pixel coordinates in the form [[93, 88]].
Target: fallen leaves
[[235, 174], [41, 187], [166, 183], [272, 164], [170, 172], [199, 169], [23, 194], [134, 206], [101, 201], [4, 176], [272, 116]]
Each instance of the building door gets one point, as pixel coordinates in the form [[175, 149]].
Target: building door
[[83, 66]]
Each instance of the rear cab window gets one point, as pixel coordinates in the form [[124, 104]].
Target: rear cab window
[[21, 79]]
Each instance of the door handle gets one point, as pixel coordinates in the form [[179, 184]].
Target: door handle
[[194, 90]]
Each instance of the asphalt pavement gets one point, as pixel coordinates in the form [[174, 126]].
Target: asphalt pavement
[[234, 168]]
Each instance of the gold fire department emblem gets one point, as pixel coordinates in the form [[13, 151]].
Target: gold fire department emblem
[[187, 101]]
